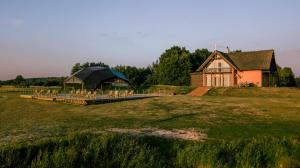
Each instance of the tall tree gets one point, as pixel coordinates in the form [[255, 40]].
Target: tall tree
[[19, 80], [173, 67], [286, 76], [197, 58]]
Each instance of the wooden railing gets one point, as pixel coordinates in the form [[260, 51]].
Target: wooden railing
[[215, 70]]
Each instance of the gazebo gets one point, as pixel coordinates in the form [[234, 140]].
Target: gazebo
[[92, 78]]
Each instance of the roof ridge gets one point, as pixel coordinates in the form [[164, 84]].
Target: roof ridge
[[252, 51]]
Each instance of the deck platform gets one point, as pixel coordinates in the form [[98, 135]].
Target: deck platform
[[87, 101]]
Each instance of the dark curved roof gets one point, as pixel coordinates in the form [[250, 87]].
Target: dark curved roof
[[93, 76]]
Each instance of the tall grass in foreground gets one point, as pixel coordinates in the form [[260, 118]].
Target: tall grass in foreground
[[116, 150]]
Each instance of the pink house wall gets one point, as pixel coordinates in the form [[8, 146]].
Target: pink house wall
[[252, 76]]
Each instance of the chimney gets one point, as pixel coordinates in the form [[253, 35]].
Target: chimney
[[228, 50]]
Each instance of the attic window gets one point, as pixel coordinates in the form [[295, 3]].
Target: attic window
[[219, 66]]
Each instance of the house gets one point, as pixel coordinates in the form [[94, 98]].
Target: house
[[237, 68], [92, 78]]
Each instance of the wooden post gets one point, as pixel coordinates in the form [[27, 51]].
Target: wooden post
[[204, 83]]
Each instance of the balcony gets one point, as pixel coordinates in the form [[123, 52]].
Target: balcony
[[217, 70]]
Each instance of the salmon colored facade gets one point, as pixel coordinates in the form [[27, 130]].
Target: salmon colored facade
[[252, 76], [237, 69]]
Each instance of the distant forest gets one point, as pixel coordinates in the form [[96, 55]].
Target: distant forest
[[172, 68], [22, 82]]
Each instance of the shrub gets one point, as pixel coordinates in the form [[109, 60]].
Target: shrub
[[113, 150], [246, 84]]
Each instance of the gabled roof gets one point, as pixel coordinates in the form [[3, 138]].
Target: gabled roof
[[250, 60], [93, 76]]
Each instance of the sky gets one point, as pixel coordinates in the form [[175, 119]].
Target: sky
[[46, 38]]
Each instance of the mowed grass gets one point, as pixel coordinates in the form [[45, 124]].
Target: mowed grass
[[224, 114]]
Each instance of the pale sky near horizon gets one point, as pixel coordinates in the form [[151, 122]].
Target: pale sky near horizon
[[45, 38]]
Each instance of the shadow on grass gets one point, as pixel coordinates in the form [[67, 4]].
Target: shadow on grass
[[173, 117]]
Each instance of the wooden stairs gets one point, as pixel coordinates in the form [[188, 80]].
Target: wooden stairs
[[199, 91]]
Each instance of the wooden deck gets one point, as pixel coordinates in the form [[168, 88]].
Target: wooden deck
[[86, 101]]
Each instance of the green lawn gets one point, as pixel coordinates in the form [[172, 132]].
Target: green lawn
[[223, 114], [249, 127]]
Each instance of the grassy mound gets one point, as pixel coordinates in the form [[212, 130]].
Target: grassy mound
[[255, 92], [119, 150], [169, 89]]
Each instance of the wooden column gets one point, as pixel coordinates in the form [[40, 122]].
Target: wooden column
[[204, 83], [211, 80]]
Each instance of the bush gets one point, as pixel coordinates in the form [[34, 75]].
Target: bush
[[246, 84], [81, 150], [113, 150], [262, 152]]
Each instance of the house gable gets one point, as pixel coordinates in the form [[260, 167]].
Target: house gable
[[214, 59], [218, 63], [73, 79]]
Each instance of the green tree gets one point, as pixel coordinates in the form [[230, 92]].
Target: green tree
[[75, 68], [136, 76], [173, 67], [286, 76], [298, 81], [79, 66], [197, 58], [19, 80]]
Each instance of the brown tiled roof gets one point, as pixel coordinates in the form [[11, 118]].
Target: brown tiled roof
[[252, 60]]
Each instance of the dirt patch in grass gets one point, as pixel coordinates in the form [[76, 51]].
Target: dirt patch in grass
[[184, 134]]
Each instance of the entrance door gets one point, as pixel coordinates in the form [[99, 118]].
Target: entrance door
[[218, 80]]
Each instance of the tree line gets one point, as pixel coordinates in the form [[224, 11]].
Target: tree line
[[173, 67], [22, 82]]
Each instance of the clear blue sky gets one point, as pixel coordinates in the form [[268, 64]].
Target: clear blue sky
[[45, 38]]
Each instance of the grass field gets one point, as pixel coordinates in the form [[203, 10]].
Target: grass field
[[225, 115], [240, 114]]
